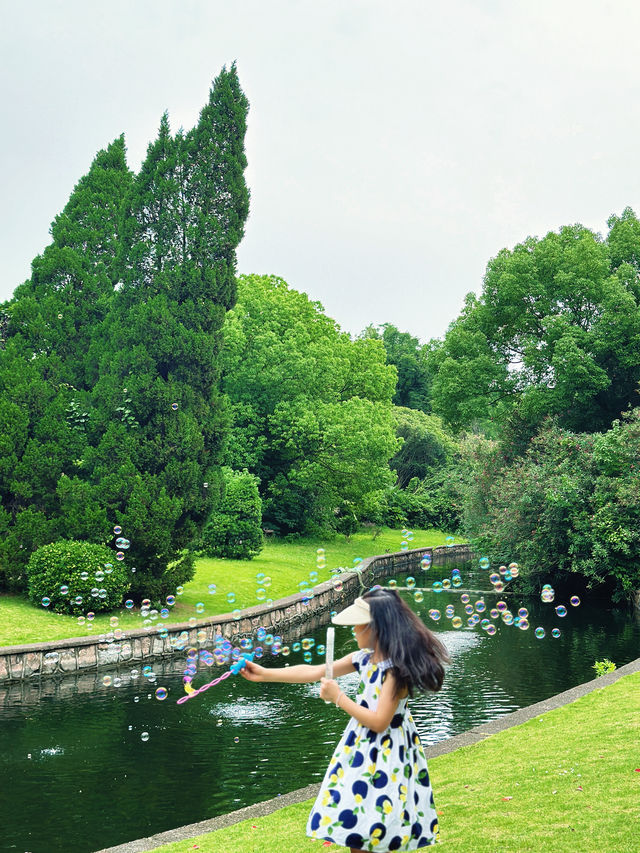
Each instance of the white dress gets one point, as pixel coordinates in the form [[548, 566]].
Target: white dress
[[376, 793]]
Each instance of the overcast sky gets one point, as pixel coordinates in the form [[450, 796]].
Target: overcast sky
[[394, 146]]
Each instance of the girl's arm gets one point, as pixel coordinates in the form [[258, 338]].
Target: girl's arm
[[377, 720], [301, 674]]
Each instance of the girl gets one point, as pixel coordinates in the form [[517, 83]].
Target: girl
[[376, 793]]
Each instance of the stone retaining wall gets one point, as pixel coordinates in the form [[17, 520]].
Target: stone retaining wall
[[288, 616]]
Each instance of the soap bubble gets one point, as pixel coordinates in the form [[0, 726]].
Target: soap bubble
[[237, 613], [523, 613], [561, 610], [484, 562], [337, 584], [410, 582], [547, 595], [507, 618], [480, 606], [117, 530], [501, 606], [434, 614], [106, 680], [404, 546], [540, 633], [212, 589], [446, 583], [171, 600], [313, 577], [46, 601], [161, 693], [418, 596], [261, 633], [81, 620], [144, 736], [392, 584], [192, 622], [179, 590], [128, 604], [555, 632], [174, 406], [261, 594], [199, 607], [113, 621], [266, 582], [449, 611], [494, 578], [498, 587], [409, 535], [494, 613], [91, 615], [99, 575], [437, 586], [64, 590], [490, 629], [456, 622], [473, 620], [120, 555], [260, 577], [231, 597], [122, 543], [464, 598], [574, 601], [524, 624], [456, 581], [84, 576], [468, 609], [425, 562], [321, 650]]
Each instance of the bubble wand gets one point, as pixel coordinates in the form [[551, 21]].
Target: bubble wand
[[233, 670], [328, 666]]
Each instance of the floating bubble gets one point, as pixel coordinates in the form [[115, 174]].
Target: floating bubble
[[171, 600], [313, 577], [205, 485], [108, 568], [91, 615], [555, 632], [337, 584], [449, 611], [321, 650], [145, 603], [468, 609], [144, 736], [64, 590], [113, 621], [425, 562], [231, 597], [507, 618], [46, 601], [261, 633], [261, 594], [122, 544], [501, 606], [449, 541], [237, 613], [393, 583], [523, 612], [494, 613], [480, 606], [498, 587], [484, 562], [491, 629], [84, 576], [523, 624], [120, 555], [456, 622], [246, 644], [236, 740], [446, 583], [434, 614], [174, 406], [285, 651], [199, 607], [307, 657], [464, 598], [179, 590], [161, 693], [212, 589], [514, 571], [437, 586], [409, 536], [418, 596], [561, 610], [266, 582], [106, 680], [260, 577], [99, 575], [128, 604], [404, 546], [117, 530], [540, 633], [456, 581], [192, 622], [494, 578], [547, 595], [410, 582], [81, 620], [473, 620], [574, 601]]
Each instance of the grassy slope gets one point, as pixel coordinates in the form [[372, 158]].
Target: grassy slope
[[566, 781], [286, 564]]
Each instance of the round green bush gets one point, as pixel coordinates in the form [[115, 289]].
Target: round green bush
[[76, 577]]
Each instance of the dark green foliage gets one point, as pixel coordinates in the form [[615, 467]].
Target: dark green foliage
[[568, 507], [109, 368], [425, 445], [413, 386], [64, 563], [234, 528]]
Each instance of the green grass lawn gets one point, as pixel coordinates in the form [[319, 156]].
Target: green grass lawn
[[565, 782], [285, 563]]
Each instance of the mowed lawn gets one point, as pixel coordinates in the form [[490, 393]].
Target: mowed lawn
[[285, 563], [565, 782]]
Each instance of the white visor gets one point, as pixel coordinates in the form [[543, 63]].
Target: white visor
[[357, 613]]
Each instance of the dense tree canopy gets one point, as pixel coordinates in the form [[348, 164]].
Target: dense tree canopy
[[311, 408], [556, 331], [410, 358]]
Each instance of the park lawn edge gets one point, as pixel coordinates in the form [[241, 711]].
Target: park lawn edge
[[564, 781]]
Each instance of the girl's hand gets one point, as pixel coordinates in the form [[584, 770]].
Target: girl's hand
[[329, 689], [253, 671]]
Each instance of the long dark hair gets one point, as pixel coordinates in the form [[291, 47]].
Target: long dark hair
[[417, 655]]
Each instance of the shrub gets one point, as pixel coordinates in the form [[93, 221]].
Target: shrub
[[234, 528], [81, 568], [602, 667]]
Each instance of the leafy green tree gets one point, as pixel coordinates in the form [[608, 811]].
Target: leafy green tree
[[234, 528], [311, 408], [410, 358], [555, 332], [425, 445]]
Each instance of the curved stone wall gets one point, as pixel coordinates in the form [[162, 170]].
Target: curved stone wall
[[286, 615]]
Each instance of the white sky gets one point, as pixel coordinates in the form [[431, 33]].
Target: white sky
[[394, 147]]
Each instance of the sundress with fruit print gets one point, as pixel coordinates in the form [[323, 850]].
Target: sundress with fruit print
[[376, 793]]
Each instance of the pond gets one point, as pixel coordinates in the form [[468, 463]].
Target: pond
[[88, 767]]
